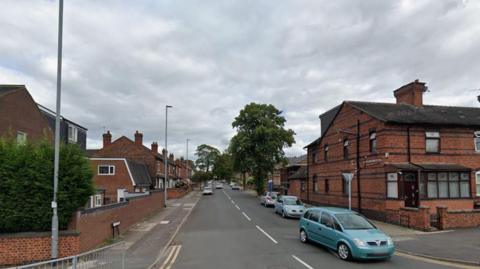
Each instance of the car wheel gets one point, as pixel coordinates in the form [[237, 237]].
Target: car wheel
[[343, 252], [303, 236]]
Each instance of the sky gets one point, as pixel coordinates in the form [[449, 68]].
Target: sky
[[123, 61]]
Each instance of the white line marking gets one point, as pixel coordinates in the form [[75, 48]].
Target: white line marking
[[164, 222], [167, 260], [266, 234], [302, 262], [174, 257], [245, 215], [237, 207], [233, 202]]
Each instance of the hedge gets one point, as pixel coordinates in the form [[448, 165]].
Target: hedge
[[26, 185]]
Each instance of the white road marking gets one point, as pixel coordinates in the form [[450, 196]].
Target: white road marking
[[164, 222], [302, 262], [233, 202], [266, 234], [174, 257], [247, 217], [167, 260], [237, 207]]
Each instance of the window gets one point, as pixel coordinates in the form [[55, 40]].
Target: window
[[392, 185], [422, 186], [21, 138], [106, 170], [314, 216], [477, 182], [477, 141], [447, 185], [327, 186], [314, 157], [315, 184], [345, 149], [302, 186], [72, 134], [326, 220], [432, 142], [98, 200], [373, 142], [325, 153]]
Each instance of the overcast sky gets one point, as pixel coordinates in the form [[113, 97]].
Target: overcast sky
[[123, 61]]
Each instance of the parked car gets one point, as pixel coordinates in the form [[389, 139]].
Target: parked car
[[207, 190], [289, 206], [348, 233], [235, 187], [268, 198], [218, 185]]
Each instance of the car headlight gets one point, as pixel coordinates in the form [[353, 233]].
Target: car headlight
[[389, 241], [360, 243]]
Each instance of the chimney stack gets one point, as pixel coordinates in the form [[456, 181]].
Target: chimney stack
[[411, 94], [154, 147], [107, 139], [138, 138], [170, 157], [164, 153]]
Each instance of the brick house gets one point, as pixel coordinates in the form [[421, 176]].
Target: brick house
[[115, 176], [135, 151], [20, 117], [283, 172], [403, 154], [297, 182]]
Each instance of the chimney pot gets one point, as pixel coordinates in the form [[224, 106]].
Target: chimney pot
[[411, 93], [107, 139], [138, 138], [154, 147]]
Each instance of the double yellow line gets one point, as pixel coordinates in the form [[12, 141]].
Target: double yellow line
[[172, 256]]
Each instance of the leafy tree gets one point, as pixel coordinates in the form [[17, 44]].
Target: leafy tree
[[241, 160], [223, 166], [206, 156], [200, 176], [26, 173], [260, 139]]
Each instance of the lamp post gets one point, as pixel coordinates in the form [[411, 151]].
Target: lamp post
[[165, 158], [188, 178], [54, 247]]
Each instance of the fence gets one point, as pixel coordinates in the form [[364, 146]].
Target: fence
[[109, 257]]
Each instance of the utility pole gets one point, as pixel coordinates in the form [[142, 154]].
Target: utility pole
[[165, 157], [188, 175]]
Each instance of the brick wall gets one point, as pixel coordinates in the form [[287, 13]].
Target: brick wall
[[95, 224], [416, 218], [296, 190], [175, 193], [23, 248], [457, 218], [110, 183]]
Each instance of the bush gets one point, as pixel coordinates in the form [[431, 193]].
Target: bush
[[26, 185]]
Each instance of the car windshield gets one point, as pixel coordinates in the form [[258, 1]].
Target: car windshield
[[207, 188], [292, 201], [351, 221]]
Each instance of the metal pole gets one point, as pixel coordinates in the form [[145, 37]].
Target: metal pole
[[188, 175], [350, 194], [165, 158], [54, 247]]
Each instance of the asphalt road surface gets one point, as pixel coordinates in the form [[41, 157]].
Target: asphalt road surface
[[230, 229]]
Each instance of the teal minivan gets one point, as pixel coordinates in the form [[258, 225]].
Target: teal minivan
[[350, 234]]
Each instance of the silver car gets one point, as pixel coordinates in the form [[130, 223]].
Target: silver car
[[207, 190], [289, 206], [268, 198]]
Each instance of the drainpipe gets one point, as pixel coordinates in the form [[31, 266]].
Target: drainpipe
[[409, 154], [308, 176], [358, 169]]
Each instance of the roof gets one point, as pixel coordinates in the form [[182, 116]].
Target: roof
[[91, 152], [296, 160], [426, 114], [52, 113], [332, 210], [430, 166], [139, 173], [300, 174], [6, 89]]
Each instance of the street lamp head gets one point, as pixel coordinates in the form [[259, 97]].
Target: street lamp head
[[168, 106]]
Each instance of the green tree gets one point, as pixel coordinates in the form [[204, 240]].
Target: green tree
[[200, 176], [261, 138], [223, 166], [206, 156], [26, 173], [242, 163]]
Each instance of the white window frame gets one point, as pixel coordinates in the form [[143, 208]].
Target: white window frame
[[98, 200], [72, 133], [476, 137], [391, 178], [111, 170], [432, 135], [21, 138], [477, 183]]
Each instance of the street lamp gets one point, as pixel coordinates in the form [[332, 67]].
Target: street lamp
[[54, 247], [165, 157], [188, 179]]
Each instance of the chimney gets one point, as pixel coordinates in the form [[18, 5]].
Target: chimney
[[170, 157], [411, 93], [107, 139], [138, 138], [164, 153], [154, 147]]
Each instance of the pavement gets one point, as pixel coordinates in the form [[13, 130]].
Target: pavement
[[231, 230]]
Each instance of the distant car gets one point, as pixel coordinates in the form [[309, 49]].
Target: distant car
[[235, 187], [218, 185], [207, 190], [268, 198], [289, 206], [350, 234]]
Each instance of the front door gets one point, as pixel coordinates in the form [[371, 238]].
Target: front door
[[410, 189]]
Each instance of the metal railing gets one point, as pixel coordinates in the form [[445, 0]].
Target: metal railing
[[109, 257]]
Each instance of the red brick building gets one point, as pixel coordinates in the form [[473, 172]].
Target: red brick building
[[403, 154]]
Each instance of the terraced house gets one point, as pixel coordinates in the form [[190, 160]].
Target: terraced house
[[403, 154]]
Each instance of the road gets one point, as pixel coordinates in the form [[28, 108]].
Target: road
[[230, 229]]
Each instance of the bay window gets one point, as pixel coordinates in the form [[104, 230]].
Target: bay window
[[447, 185]]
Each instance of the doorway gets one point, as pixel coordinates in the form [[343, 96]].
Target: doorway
[[410, 188]]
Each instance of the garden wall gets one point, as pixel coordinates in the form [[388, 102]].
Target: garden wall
[[457, 218]]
